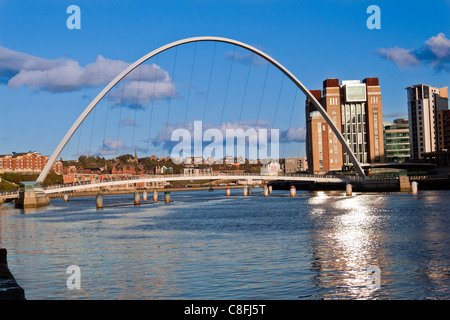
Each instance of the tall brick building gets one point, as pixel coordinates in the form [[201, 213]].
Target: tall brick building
[[355, 107]]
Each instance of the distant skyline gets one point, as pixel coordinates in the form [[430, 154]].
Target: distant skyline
[[49, 73]]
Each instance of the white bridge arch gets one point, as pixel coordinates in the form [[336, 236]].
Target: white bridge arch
[[100, 96]]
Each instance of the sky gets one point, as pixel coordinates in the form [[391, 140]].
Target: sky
[[49, 73]]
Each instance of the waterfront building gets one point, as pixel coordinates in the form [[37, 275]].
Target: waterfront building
[[443, 130], [270, 169], [424, 102], [196, 171], [355, 107], [26, 163], [396, 141], [295, 164]]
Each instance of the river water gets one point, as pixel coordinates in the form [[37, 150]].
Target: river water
[[204, 245]]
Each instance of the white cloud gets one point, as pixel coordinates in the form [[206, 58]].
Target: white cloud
[[136, 93], [440, 46], [294, 134], [65, 75], [400, 56], [435, 52], [112, 146], [247, 58], [128, 122]]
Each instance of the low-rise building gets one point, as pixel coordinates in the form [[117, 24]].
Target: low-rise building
[[196, 171], [271, 169], [26, 162], [295, 164]]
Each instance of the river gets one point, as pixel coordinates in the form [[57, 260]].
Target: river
[[204, 245]]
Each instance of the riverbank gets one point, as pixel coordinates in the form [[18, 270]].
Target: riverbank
[[9, 288]]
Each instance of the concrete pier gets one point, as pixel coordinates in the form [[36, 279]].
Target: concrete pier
[[137, 198], [10, 290], [266, 191], [270, 189], [99, 200], [228, 192], [249, 190], [348, 189], [404, 184], [293, 192], [155, 196], [414, 187], [66, 197], [144, 195], [245, 191], [167, 197], [31, 199]]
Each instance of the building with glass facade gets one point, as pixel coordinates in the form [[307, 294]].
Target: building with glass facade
[[396, 141], [355, 107]]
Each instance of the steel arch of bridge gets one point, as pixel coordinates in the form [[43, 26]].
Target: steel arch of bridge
[[130, 68]]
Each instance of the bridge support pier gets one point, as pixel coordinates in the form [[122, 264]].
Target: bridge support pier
[[99, 201], [293, 192], [348, 189], [228, 192], [270, 189], [137, 198], [414, 187], [66, 197], [404, 183], [249, 190], [245, 191], [155, 196], [144, 195], [167, 197], [266, 191], [31, 197]]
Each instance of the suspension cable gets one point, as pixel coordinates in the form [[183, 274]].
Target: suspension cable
[[278, 101], [245, 89], [209, 81], [290, 120], [120, 119], [153, 102], [262, 94], [228, 84], [136, 107], [171, 89], [92, 131], [190, 85], [106, 118], [79, 138]]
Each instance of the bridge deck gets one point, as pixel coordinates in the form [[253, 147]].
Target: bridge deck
[[160, 178]]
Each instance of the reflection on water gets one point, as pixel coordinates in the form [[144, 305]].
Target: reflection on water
[[204, 245], [345, 244]]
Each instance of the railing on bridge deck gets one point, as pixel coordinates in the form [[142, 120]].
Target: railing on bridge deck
[[188, 176], [9, 193]]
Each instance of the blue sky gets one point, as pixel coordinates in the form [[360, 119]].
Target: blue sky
[[48, 73]]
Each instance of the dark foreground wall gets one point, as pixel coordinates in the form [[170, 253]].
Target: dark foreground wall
[[9, 289]]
